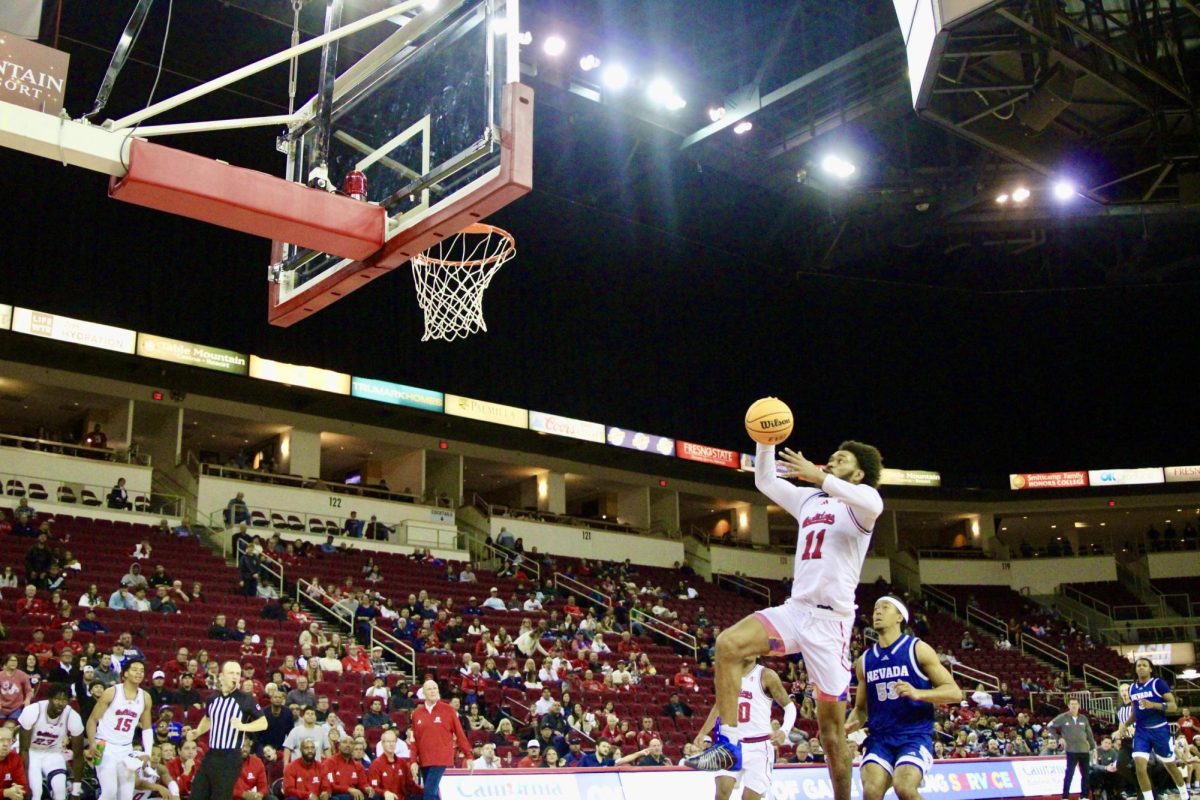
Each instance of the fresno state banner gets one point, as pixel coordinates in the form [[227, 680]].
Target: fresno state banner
[[708, 455]]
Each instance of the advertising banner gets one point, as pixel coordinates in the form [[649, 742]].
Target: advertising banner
[[1048, 480], [1181, 474], [968, 779], [31, 74], [645, 442], [909, 477], [322, 380], [542, 422], [1125, 477], [1163, 655], [193, 355], [482, 410], [708, 455], [65, 329], [5, 317], [397, 394]]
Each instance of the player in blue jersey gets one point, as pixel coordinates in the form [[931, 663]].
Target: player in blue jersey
[[1152, 700], [900, 680]]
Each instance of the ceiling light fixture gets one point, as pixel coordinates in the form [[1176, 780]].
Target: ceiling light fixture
[[838, 167], [743, 127], [589, 63], [554, 46]]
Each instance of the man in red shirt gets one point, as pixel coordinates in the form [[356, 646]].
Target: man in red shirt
[[15, 690], [345, 775], [533, 756], [387, 777], [646, 734], [304, 778], [31, 605], [357, 660], [1189, 726], [684, 679], [251, 783], [437, 730], [13, 783], [183, 769], [590, 684], [68, 641]]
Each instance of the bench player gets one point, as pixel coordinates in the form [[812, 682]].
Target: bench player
[[900, 680], [760, 687], [46, 728], [836, 518], [120, 711]]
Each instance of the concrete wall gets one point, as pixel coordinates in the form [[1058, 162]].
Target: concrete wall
[[773, 566], [1040, 575], [1174, 565], [52, 470], [589, 543]]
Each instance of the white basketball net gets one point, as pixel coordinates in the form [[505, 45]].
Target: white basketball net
[[451, 276]]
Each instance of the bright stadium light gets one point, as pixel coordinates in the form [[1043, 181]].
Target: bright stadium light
[[675, 102], [1002, 198], [660, 91], [554, 46], [743, 127], [838, 167], [615, 77], [1064, 190], [1020, 194], [589, 63], [716, 113]]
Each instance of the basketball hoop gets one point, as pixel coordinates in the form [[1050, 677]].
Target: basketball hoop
[[451, 276]]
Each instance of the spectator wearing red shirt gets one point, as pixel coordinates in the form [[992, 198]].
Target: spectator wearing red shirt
[[183, 768], [533, 756], [646, 734], [251, 783], [31, 605], [473, 684], [388, 776], [305, 777], [40, 647], [572, 608], [684, 679], [1189, 726], [15, 690], [68, 641], [12, 769], [437, 730], [628, 645], [346, 778], [357, 660]]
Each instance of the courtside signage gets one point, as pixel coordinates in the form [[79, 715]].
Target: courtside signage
[[1181, 474], [482, 410], [909, 477], [193, 355], [542, 422], [1125, 477], [88, 334], [397, 394], [1048, 480], [705, 454], [5, 317], [323, 380], [645, 442]]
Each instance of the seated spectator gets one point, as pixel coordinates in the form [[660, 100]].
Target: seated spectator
[[967, 642], [38, 560], [494, 601], [685, 680], [236, 511], [140, 601], [353, 526], [118, 496], [602, 756], [377, 531], [533, 755], [375, 716], [122, 600], [134, 579], [357, 660], [89, 624], [219, 629], [982, 697], [33, 606]]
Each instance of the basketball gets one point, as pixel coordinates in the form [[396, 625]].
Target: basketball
[[769, 421]]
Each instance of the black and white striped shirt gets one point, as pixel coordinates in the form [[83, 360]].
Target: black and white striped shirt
[[222, 710], [1125, 713]]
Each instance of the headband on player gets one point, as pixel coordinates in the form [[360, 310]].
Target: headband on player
[[895, 603]]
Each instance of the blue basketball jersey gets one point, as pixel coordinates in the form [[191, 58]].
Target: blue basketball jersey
[[1152, 690], [887, 714]]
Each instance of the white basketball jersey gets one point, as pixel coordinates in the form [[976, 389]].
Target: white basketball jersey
[[120, 720], [836, 523], [754, 705], [49, 735]]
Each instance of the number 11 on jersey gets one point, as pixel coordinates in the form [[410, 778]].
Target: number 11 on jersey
[[809, 550]]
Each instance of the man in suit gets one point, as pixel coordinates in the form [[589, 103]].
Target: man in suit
[[119, 496], [68, 673]]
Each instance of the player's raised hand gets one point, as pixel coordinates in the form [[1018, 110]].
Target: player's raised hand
[[795, 465]]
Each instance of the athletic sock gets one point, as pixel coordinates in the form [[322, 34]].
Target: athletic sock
[[732, 734], [1183, 790], [1148, 795]]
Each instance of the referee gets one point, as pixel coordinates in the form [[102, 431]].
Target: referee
[[224, 723]]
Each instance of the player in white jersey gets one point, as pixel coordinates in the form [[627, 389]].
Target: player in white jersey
[[120, 710], [760, 687], [46, 728], [836, 516]]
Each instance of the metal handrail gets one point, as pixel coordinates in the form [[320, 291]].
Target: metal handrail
[[1042, 650], [272, 565], [72, 450], [400, 650], [942, 598], [974, 675], [172, 507], [1086, 599], [748, 584], [301, 482], [1098, 676], [302, 594], [989, 621], [666, 629], [582, 590]]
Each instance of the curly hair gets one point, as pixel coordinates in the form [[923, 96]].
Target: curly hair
[[869, 460]]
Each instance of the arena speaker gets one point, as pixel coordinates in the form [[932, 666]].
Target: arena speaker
[[1049, 100], [926, 26]]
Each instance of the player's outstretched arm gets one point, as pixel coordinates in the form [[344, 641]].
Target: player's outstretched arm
[[774, 687], [858, 714], [776, 488], [106, 698], [944, 689]]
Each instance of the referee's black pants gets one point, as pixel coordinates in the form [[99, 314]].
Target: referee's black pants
[[1080, 761], [217, 774]]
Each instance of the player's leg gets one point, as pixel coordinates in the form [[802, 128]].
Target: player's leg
[[875, 780], [825, 645], [907, 782], [831, 720], [57, 778], [749, 637], [1072, 763], [35, 775], [1141, 768], [725, 784], [106, 773], [758, 764], [126, 781]]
